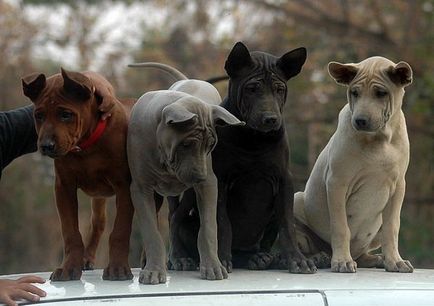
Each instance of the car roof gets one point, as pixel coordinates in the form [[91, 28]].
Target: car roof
[[246, 287]]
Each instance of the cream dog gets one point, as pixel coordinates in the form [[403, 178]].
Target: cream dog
[[354, 194]]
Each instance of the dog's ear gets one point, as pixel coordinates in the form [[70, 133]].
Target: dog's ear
[[238, 59], [401, 74], [342, 73], [222, 117], [291, 62], [175, 114], [33, 85], [76, 85]]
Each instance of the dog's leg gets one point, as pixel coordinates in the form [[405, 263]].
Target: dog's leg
[[291, 256], [179, 256], [390, 230], [158, 203], [144, 204], [339, 230], [264, 259], [224, 228], [97, 226], [206, 195], [119, 242], [67, 206]]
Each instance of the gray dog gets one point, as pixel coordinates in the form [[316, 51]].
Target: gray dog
[[170, 137], [354, 194]]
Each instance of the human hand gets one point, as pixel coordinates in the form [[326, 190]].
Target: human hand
[[13, 290]]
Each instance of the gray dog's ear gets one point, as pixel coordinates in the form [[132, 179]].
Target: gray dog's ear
[[177, 114], [291, 62], [342, 73], [222, 117], [33, 85], [76, 85], [238, 60], [401, 74]]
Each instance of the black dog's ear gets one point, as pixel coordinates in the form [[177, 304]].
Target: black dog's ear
[[222, 117], [176, 114], [291, 62], [33, 85], [401, 74], [238, 59], [342, 73], [76, 85]]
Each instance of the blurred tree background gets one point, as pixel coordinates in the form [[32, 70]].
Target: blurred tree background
[[195, 36]]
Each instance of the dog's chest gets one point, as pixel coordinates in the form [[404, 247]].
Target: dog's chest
[[169, 185]]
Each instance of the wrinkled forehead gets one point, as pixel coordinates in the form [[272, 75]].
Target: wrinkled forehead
[[54, 95], [265, 67], [373, 70]]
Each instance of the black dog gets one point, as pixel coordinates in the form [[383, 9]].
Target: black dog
[[255, 199]]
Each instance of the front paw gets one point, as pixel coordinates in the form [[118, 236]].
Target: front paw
[[66, 273], [260, 261], [213, 271], [116, 273], [402, 266], [298, 264], [152, 276], [183, 264], [344, 265]]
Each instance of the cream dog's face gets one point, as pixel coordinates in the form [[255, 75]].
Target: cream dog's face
[[186, 136], [375, 90]]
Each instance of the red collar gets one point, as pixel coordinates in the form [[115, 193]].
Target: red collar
[[97, 133]]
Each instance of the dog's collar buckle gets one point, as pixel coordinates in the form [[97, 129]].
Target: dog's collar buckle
[[96, 134]]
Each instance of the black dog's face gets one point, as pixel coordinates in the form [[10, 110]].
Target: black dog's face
[[258, 85]]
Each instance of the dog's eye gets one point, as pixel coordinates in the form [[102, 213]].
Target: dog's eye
[[354, 93], [40, 116], [252, 87], [186, 144], [66, 116], [379, 93], [280, 90]]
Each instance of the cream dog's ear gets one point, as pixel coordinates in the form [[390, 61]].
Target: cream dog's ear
[[222, 117], [342, 73], [401, 74]]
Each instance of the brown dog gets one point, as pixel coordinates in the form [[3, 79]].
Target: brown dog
[[89, 153]]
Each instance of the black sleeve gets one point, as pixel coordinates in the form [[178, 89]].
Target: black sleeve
[[17, 134]]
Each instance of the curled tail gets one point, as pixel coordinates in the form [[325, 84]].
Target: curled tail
[[176, 74]]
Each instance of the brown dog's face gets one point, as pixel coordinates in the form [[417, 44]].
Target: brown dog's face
[[186, 136], [375, 90], [63, 110]]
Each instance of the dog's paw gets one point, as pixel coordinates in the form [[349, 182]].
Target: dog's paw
[[298, 265], [213, 271], [260, 261], [321, 260], [344, 266], [116, 273], [152, 276], [227, 264], [402, 266], [183, 264], [66, 274]]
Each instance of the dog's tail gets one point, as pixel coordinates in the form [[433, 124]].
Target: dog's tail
[[217, 79], [176, 74]]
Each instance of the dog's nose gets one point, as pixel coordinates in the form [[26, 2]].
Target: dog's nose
[[47, 147], [362, 123], [269, 119]]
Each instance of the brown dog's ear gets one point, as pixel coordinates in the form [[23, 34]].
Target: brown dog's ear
[[174, 114], [342, 73], [76, 85], [401, 74], [238, 59], [291, 62], [33, 85], [222, 117]]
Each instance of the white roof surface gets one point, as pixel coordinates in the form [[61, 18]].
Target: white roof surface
[[366, 287]]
